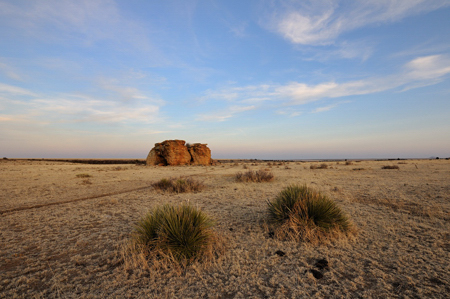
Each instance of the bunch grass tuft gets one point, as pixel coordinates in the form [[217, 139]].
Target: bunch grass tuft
[[299, 212], [252, 176], [176, 235], [179, 185]]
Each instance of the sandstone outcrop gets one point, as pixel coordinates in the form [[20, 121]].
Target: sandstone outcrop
[[176, 152], [200, 154]]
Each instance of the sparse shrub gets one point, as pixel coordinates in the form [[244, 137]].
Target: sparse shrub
[[348, 163], [321, 166], [118, 168], [245, 166], [180, 234], [86, 182], [390, 167], [287, 167], [359, 169], [180, 185], [84, 175], [252, 176], [301, 213]]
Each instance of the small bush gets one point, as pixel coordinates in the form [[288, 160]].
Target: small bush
[[180, 234], [252, 176], [299, 212], [390, 167], [321, 166], [180, 185], [348, 163], [83, 175]]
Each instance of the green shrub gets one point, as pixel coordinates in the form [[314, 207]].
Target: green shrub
[[178, 233], [252, 176], [301, 212], [180, 185]]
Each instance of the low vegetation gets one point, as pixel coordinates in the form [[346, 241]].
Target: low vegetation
[[321, 166], [174, 235], [84, 175], [255, 176], [179, 185], [301, 213], [390, 167]]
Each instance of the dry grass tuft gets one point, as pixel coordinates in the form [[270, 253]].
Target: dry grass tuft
[[321, 166], [180, 185], [86, 182], [390, 167], [172, 237], [84, 175], [252, 176], [301, 213]]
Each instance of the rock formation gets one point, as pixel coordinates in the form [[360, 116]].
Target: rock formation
[[176, 152], [200, 154]]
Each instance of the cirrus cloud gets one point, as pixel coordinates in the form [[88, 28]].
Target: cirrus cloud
[[320, 22]]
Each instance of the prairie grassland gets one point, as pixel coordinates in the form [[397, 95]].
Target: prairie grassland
[[61, 237]]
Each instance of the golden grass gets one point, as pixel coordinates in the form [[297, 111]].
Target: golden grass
[[60, 239], [254, 176], [179, 185]]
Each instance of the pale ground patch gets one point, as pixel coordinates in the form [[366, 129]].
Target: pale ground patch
[[72, 249]]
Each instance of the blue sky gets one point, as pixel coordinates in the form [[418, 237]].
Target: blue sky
[[253, 79]]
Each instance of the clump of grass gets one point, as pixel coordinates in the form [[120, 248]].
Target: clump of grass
[[179, 185], [390, 167], [252, 176], [321, 166], [84, 175], [301, 213], [175, 235]]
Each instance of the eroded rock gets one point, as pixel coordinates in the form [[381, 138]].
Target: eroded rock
[[176, 152]]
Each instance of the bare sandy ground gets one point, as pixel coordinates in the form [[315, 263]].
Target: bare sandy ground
[[60, 235]]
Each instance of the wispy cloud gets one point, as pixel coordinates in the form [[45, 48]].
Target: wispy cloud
[[24, 105], [224, 114], [76, 109], [291, 112], [10, 71], [320, 22], [361, 49], [82, 23], [328, 107], [14, 90], [418, 72]]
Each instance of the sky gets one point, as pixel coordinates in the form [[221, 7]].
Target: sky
[[256, 79]]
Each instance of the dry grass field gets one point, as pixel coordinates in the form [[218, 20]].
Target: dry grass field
[[63, 227]]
